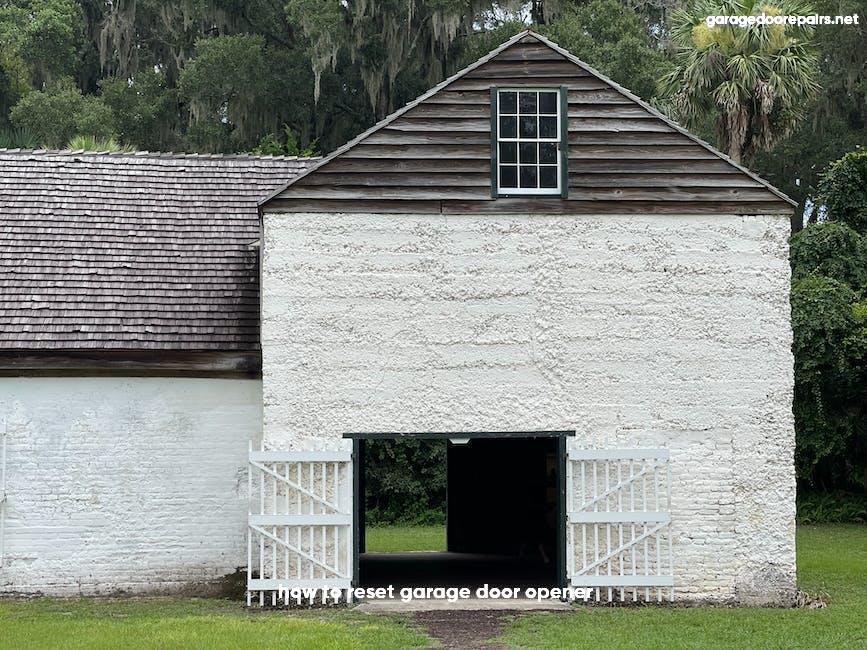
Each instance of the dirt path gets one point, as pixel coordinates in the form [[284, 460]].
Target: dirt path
[[464, 629]]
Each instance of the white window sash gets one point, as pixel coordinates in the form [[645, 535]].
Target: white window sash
[[531, 191]]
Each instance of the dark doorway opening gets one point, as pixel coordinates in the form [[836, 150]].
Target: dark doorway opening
[[505, 515]]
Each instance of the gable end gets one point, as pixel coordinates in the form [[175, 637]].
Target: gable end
[[435, 154]]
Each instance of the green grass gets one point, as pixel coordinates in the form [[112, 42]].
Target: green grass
[[832, 560], [395, 539], [192, 623]]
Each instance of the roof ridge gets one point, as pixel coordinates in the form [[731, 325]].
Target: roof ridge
[[153, 154]]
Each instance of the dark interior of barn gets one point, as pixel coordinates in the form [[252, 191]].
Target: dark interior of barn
[[501, 520]]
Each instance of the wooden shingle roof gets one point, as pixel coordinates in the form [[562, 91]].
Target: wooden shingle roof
[[132, 251]]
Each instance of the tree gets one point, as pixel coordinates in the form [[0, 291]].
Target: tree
[[286, 145], [797, 163], [829, 340], [612, 39], [405, 481], [239, 88], [41, 37], [843, 190], [836, 119], [751, 82], [60, 112], [832, 250], [389, 41], [222, 86], [829, 319], [844, 70], [145, 109]]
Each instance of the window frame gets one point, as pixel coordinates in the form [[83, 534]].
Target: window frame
[[561, 140]]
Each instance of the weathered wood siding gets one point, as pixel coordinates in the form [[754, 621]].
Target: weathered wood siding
[[436, 156]]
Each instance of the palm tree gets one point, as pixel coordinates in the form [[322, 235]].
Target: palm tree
[[752, 82]]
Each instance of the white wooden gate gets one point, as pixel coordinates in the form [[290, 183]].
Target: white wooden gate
[[618, 523], [300, 523]]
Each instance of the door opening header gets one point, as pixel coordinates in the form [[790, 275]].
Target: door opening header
[[446, 435]]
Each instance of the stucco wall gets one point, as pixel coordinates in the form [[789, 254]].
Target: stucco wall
[[130, 484], [650, 330]]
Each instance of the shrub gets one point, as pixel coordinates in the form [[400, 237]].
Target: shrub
[[405, 481], [91, 143], [57, 114], [831, 249], [18, 139], [832, 508], [843, 190]]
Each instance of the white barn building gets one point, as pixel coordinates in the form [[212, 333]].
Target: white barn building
[[527, 260]]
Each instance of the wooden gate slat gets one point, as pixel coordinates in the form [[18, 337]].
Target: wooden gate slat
[[299, 523], [630, 512]]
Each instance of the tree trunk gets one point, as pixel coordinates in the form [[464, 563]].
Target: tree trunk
[[798, 220], [734, 153]]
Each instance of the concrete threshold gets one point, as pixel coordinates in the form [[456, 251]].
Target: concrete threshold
[[396, 606]]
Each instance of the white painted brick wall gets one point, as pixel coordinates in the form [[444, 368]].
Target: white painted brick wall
[[653, 330], [125, 484]]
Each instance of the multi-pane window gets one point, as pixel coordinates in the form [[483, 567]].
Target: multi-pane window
[[528, 141]]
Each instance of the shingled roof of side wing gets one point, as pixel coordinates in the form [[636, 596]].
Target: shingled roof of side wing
[[132, 250]]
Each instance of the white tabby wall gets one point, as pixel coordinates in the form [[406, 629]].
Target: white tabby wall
[[125, 484], [669, 331]]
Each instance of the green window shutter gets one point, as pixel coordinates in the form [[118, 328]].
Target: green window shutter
[[494, 133], [564, 142]]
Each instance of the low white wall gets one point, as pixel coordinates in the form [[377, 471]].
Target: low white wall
[[129, 484], [652, 330]]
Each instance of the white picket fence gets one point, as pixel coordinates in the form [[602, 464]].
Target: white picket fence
[[619, 524], [300, 522]]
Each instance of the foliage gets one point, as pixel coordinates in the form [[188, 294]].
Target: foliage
[[91, 143], [753, 81], [833, 250], [832, 508], [60, 112], [829, 382], [273, 145], [608, 36], [145, 110], [829, 319], [841, 110], [40, 39], [224, 82], [405, 481], [836, 119], [478, 44], [393, 43], [18, 139], [844, 190], [797, 164]]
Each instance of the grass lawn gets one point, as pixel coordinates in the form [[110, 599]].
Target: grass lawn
[[832, 560], [394, 539], [191, 623]]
